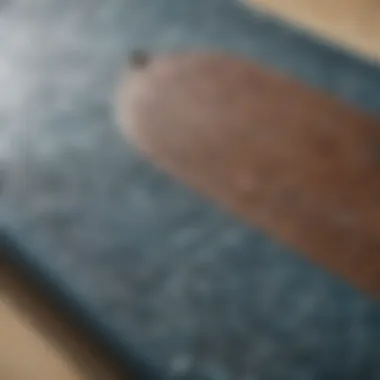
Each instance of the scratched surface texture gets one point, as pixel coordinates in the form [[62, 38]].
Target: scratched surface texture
[[170, 276]]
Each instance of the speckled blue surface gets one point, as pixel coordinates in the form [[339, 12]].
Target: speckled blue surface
[[162, 270]]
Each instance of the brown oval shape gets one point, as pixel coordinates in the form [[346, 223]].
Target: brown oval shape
[[292, 160]]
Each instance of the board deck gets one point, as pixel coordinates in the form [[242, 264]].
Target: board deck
[[149, 264]]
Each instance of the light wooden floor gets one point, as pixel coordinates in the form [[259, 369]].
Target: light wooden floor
[[38, 343], [352, 23], [24, 353]]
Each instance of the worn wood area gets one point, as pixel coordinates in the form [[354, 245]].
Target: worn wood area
[[292, 161], [354, 24]]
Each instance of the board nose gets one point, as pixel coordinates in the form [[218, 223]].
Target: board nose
[[286, 158]]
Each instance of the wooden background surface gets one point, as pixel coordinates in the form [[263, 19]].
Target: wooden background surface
[[27, 355], [352, 23]]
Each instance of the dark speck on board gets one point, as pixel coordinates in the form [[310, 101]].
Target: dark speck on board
[[139, 59]]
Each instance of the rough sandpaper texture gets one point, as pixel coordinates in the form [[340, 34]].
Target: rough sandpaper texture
[[171, 275]]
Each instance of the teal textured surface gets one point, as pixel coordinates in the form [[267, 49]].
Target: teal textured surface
[[161, 270]]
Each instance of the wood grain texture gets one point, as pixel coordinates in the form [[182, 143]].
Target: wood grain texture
[[354, 24], [293, 161]]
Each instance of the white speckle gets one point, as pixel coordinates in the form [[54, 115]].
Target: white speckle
[[181, 364], [345, 218]]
